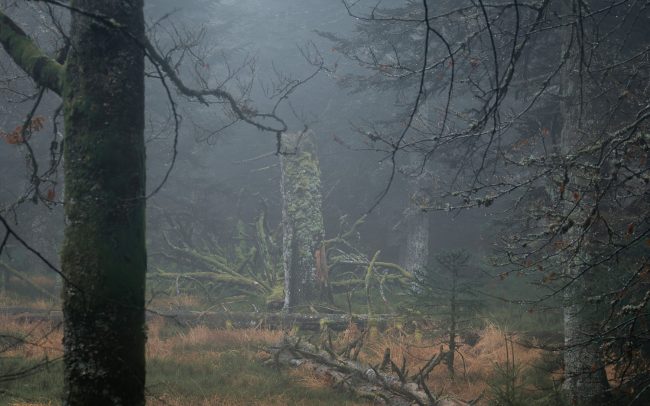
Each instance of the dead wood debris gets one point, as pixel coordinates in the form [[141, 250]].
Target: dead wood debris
[[372, 382]]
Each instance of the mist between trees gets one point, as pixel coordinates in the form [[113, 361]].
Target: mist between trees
[[385, 194]]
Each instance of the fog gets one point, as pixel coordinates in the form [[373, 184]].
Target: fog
[[463, 185]]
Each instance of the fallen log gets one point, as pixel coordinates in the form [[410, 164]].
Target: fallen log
[[277, 320], [19, 275], [365, 381]]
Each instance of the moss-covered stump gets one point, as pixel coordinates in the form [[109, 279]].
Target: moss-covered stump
[[305, 272]]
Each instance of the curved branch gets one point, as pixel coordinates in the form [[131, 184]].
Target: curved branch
[[201, 94], [45, 71]]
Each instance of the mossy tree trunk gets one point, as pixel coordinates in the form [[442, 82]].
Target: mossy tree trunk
[[103, 257], [104, 254], [305, 278]]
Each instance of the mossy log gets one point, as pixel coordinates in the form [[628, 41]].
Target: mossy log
[[276, 320], [16, 273], [223, 278]]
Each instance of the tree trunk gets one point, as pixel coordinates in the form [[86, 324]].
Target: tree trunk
[[416, 252], [453, 309], [104, 256], [417, 241], [305, 278], [585, 379], [584, 370], [3, 282]]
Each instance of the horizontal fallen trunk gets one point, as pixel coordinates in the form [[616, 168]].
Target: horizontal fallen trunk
[[20, 275], [362, 380], [306, 322]]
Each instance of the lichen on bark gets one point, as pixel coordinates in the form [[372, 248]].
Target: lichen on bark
[[302, 219], [585, 380], [416, 222]]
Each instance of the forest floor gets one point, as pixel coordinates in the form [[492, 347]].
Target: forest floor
[[196, 366], [203, 366]]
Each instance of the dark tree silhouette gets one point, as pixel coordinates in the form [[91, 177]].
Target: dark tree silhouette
[[104, 255], [545, 106]]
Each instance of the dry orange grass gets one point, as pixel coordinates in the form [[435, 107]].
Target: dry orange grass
[[202, 335], [44, 339], [474, 368], [35, 304], [215, 400], [35, 340], [203, 341], [44, 304], [45, 282], [309, 379], [157, 346]]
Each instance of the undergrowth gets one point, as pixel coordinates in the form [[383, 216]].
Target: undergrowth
[[204, 366], [186, 366]]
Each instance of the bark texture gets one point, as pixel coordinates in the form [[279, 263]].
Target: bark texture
[[104, 255], [416, 251], [302, 220], [585, 380], [417, 241]]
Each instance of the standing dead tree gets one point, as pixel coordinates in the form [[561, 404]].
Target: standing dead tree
[[303, 253]]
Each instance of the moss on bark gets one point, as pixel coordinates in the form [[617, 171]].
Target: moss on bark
[[104, 256], [302, 219], [44, 70]]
